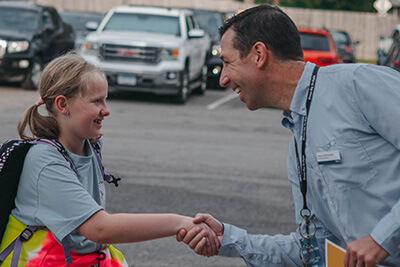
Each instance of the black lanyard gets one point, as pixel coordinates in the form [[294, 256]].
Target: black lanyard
[[302, 168]]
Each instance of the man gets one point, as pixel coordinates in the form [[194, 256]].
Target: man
[[344, 159]]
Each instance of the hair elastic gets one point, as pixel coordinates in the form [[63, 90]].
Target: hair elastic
[[39, 102]]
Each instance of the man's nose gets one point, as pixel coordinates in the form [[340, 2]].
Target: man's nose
[[223, 80]]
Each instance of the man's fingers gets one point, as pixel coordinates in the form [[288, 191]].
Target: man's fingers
[[199, 248], [194, 237], [199, 218]]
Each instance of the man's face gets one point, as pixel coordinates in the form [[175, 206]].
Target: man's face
[[239, 73]]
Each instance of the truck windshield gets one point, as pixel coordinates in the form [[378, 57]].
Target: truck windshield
[[15, 19], [143, 23], [210, 22]]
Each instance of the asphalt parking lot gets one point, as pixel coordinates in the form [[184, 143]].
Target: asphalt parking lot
[[209, 155]]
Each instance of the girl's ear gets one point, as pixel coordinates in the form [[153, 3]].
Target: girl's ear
[[61, 103], [261, 54]]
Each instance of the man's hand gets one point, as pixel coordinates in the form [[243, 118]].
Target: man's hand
[[364, 252], [195, 238]]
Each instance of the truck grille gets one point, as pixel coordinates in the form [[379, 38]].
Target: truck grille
[[130, 53], [3, 45]]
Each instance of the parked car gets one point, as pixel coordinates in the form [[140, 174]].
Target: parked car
[[30, 36], [82, 22], [388, 47], [344, 45], [393, 55], [210, 21], [150, 49], [318, 47]]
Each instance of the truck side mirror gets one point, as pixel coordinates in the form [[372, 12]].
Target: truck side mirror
[[196, 33], [91, 25]]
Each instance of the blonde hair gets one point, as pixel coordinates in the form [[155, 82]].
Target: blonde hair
[[67, 75]]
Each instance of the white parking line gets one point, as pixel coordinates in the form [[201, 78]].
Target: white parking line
[[221, 101]]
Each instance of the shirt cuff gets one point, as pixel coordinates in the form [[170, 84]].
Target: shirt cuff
[[229, 247], [387, 234]]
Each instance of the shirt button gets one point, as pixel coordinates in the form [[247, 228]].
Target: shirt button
[[232, 237], [332, 143]]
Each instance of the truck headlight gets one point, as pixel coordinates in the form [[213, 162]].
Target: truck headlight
[[216, 50], [17, 46], [169, 54], [87, 46]]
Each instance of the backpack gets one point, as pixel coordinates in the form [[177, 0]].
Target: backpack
[[12, 157]]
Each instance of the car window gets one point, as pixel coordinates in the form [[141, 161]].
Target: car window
[[189, 23], [340, 38], [78, 21], [210, 22], [143, 23], [55, 19], [47, 20], [19, 19], [314, 42]]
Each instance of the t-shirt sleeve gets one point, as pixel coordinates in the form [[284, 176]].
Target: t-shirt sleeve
[[63, 203]]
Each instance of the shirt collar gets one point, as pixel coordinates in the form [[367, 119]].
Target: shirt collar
[[298, 105]]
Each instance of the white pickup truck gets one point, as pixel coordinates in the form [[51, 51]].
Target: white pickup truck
[[150, 49]]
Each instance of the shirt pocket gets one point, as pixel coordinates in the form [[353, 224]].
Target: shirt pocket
[[355, 168]]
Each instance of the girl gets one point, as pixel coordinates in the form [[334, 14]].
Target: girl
[[69, 204]]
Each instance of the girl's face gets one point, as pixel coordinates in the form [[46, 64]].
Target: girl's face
[[87, 111]]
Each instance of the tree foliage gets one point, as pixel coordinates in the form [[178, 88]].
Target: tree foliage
[[353, 5]]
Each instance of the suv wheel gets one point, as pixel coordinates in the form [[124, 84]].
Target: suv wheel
[[32, 79], [184, 88], [201, 90]]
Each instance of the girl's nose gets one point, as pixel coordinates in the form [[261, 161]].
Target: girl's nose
[[105, 112]]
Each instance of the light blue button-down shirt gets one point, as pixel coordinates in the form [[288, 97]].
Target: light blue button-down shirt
[[354, 111]]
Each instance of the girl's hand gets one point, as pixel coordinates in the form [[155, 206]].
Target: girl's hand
[[199, 239]]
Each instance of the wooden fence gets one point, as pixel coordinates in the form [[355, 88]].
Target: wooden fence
[[362, 26]]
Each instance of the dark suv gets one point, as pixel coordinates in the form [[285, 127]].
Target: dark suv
[[344, 45], [210, 21], [30, 36]]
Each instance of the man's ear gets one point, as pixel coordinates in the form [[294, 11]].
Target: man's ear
[[61, 103], [261, 54]]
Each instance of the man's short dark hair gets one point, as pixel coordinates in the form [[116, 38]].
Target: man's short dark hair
[[267, 24]]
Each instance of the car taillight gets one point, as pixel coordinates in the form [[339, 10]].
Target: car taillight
[[348, 49], [396, 63]]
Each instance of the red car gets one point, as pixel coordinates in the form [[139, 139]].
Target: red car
[[318, 47]]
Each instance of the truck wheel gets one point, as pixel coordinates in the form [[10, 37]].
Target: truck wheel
[[184, 88], [201, 90], [32, 79]]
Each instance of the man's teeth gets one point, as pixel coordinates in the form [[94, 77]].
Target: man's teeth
[[238, 90]]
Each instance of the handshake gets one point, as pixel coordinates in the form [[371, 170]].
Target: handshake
[[205, 237]]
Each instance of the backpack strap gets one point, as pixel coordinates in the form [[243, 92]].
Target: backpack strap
[[56, 144], [26, 234], [107, 177], [16, 245]]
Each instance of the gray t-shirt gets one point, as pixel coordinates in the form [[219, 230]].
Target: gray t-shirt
[[51, 194]]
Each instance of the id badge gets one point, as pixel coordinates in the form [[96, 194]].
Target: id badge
[[314, 258]]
